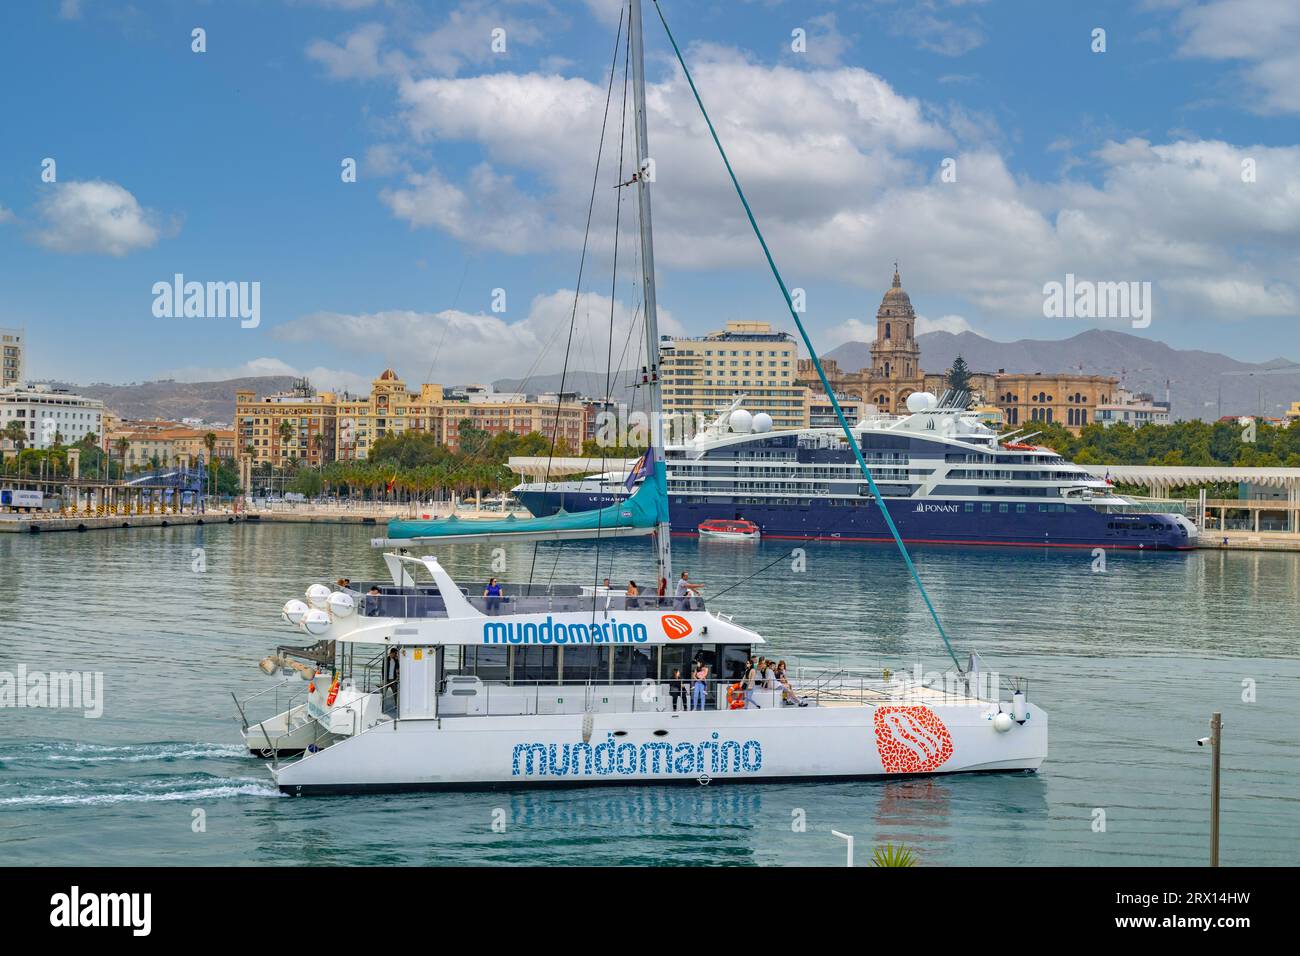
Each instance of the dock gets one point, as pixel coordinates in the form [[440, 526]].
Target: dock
[[42, 523]]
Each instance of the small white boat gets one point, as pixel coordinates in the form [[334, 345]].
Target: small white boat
[[739, 530]]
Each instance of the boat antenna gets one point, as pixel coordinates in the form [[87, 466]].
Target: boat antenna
[[650, 378], [821, 373]]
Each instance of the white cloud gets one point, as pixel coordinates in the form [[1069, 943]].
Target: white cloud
[[356, 58], [70, 9], [826, 43], [955, 324], [843, 174], [1264, 34], [473, 34], [469, 347], [6, 215], [95, 216]]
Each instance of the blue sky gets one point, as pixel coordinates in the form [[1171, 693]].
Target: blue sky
[[474, 168]]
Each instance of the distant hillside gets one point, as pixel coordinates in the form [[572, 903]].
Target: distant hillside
[[1143, 365], [591, 384], [210, 401]]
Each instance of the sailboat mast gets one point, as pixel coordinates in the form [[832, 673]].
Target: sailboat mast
[[650, 380]]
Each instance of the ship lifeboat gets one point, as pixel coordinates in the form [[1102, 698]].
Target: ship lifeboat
[[1018, 446], [738, 530]]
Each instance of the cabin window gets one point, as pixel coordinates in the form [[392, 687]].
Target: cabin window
[[676, 657], [536, 664], [490, 663], [584, 663], [734, 657], [633, 663]]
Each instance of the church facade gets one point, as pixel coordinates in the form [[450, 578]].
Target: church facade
[[895, 373]]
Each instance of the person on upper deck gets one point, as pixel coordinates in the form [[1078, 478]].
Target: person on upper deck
[[493, 595], [685, 589], [372, 601]]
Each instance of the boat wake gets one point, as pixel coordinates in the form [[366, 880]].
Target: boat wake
[[130, 753], [213, 789], [43, 773]]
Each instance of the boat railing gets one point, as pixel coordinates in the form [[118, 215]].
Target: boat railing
[[431, 604], [286, 693], [838, 684]]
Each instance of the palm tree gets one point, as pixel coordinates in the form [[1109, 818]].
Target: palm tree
[[16, 432], [286, 433], [318, 442], [122, 445], [210, 443]]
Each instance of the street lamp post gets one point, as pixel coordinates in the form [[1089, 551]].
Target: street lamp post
[[1214, 740]]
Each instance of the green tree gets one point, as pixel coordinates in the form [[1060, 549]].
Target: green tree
[[959, 375]]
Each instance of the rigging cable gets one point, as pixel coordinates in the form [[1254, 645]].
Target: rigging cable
[[821, 373], [577, 292]]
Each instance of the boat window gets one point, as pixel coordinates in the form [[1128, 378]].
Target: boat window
[[586, 663], [675, 657], [1020, 509], [633, 663], [734, 657], [534, 663], [490, 663]]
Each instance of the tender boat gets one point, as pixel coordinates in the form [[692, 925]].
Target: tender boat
[[738, 530], [418, 682]]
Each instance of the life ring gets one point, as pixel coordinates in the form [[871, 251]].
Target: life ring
[[735, 697]]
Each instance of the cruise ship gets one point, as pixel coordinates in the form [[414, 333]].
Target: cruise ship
[[946, 476]]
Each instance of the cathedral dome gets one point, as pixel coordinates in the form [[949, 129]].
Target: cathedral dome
[[896, 300]]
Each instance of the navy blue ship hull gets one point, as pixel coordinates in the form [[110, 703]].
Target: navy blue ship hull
[[928, 521]]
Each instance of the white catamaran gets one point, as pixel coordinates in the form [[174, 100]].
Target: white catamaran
[[417, 682]]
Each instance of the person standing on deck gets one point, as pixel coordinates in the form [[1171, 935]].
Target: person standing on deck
[[392, 671], [683, 593], [699, 688], [493, 595], [750, 669]]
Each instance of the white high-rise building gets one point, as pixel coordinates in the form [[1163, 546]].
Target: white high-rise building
[[11, 357], [47, 413]]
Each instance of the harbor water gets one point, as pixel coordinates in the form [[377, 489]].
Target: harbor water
[[1128, 652]]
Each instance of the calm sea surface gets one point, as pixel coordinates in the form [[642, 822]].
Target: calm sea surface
[[1129, 663]]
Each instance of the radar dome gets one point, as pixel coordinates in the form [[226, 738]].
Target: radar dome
[[762, 422], [741, 421], [921, 402]]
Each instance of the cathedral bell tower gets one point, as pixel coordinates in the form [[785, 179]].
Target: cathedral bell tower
[[895, 356]]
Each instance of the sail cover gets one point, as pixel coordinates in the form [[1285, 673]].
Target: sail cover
[[638, 514]]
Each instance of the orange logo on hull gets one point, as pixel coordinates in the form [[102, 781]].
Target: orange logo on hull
[[911, 739], [676, 626]]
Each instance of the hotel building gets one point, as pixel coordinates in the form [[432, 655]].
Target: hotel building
[[701, 376], [11, 357], [297, 425], [48, 414]]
